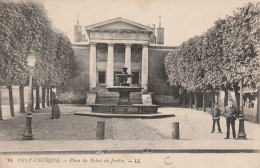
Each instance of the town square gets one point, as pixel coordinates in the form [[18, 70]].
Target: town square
[[130, 83]]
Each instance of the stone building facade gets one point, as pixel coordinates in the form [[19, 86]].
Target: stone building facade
[[112, 45]]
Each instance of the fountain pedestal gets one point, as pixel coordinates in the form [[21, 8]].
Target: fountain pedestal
[[124, 98]]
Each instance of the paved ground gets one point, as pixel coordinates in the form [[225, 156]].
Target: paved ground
[[198, 125], [194, 125], [70, 132]]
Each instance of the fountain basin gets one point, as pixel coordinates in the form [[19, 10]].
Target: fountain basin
[[124, 93], [124, 109], [124, 89]]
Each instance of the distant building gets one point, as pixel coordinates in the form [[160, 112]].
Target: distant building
[[119, 42], [112, 45]]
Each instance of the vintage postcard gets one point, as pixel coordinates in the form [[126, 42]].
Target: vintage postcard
[[129, 83]]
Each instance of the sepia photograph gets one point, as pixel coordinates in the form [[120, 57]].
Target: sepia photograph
[[129, 83]]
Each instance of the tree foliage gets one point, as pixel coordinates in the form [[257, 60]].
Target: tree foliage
[[210, 61], [25, 26]]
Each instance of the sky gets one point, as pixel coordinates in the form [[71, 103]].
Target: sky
[[182, 19]]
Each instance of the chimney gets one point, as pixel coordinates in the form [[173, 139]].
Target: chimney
[[152, 39], [77, 31], [160, 33]]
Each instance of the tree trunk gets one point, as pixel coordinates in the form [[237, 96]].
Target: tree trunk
[[21, 95], [32, 99], [184, 100], [43, 96], [11, 100], [226, 97], [48, 96], [37, 107], [203, 102], [196, 100], [1, 115], [212, 99], [237, 97], [190, 102], [180, 95], [258, 105]]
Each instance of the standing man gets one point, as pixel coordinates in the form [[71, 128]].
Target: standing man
[[216, 118], [231, 113]]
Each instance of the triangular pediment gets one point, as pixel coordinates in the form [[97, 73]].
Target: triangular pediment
[[119, 24]]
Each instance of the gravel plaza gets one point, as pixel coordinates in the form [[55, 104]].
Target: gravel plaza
[[194, 126], [73, 137]]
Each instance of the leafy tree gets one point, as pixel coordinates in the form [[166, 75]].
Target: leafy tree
[[11, 46], [25, 26], [241, 44], [210, 61], [63, 60]]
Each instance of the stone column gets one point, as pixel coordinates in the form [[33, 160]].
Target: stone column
[[145, 67], [128, 60], [110, 65], [92, 66]]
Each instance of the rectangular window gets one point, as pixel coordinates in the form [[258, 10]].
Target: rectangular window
[[135, 79], [101, 77]]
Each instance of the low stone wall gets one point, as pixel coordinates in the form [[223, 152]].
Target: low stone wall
[[72, 97], [165, 100], [5, 95], [80, 98]]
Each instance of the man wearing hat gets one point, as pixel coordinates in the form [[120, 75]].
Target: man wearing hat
[[231, 113]]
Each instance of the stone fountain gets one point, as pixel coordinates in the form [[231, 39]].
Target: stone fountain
[[124, 89], [124, 104]]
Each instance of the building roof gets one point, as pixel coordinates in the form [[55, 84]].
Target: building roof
[[124, 25]]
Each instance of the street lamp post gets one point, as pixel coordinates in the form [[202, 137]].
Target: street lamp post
[[28, 127], [241, 132]]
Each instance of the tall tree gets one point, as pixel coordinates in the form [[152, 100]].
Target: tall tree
[[12, 64], [20, 32], [210, 61]]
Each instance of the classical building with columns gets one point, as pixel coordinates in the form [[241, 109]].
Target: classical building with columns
[[112, 45]]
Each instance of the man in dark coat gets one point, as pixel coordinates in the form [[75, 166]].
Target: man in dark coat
[[216, 117], [231, 113]]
